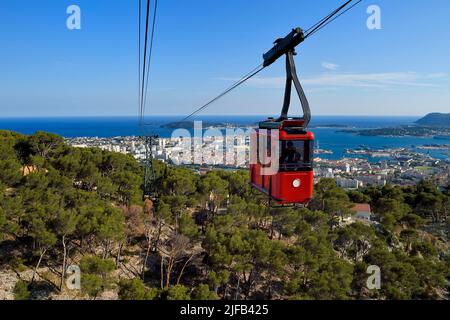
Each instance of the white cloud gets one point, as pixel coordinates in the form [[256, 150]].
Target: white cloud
[[389, 80], [374, 80], [330, 66]]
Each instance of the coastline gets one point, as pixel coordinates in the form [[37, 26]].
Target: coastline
[[327, 130]]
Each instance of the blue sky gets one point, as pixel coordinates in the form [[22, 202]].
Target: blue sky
[[201, 46]]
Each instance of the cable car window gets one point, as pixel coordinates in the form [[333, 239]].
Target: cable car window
[[296, 155]]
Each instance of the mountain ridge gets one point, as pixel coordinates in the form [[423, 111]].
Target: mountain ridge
[[435, 119]]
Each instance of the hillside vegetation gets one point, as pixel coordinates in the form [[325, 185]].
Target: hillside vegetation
[[210, 237]]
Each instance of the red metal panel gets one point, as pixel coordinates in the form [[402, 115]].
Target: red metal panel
[[285, 192], [280, 187]]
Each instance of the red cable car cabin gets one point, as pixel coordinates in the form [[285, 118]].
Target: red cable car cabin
[[292, 183], [282, 168]]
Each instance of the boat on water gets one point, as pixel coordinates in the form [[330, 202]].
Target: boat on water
[[318, 150], [322, 151]]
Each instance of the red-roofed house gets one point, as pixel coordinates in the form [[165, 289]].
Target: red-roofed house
[[362, 212]]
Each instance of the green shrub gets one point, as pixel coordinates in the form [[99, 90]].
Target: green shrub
[[21, 291], [135, 290]]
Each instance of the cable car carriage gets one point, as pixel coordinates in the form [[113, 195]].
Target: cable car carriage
[[281, 163], [281, 151]]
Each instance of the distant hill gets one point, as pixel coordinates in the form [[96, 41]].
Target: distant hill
[[435, 119]]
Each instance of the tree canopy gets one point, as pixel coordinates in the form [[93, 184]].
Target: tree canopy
[[209, 236]]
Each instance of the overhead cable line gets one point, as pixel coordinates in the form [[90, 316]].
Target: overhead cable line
[[144, 65], [249, 75], [309, 32], [331, 19], [155, 9], [326, 18], [149, 186], [139, 59]]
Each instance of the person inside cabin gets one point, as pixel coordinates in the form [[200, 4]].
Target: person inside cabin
[[290, 155]]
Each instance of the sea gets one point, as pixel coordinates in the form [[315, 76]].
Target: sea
[[326, 129]]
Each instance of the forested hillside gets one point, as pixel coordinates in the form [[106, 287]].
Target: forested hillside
[[210, 236]]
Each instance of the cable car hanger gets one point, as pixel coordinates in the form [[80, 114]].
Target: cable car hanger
[[291, 147], [286, 46], [291, 183]]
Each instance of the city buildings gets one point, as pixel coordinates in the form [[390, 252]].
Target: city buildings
[[399, 166]]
